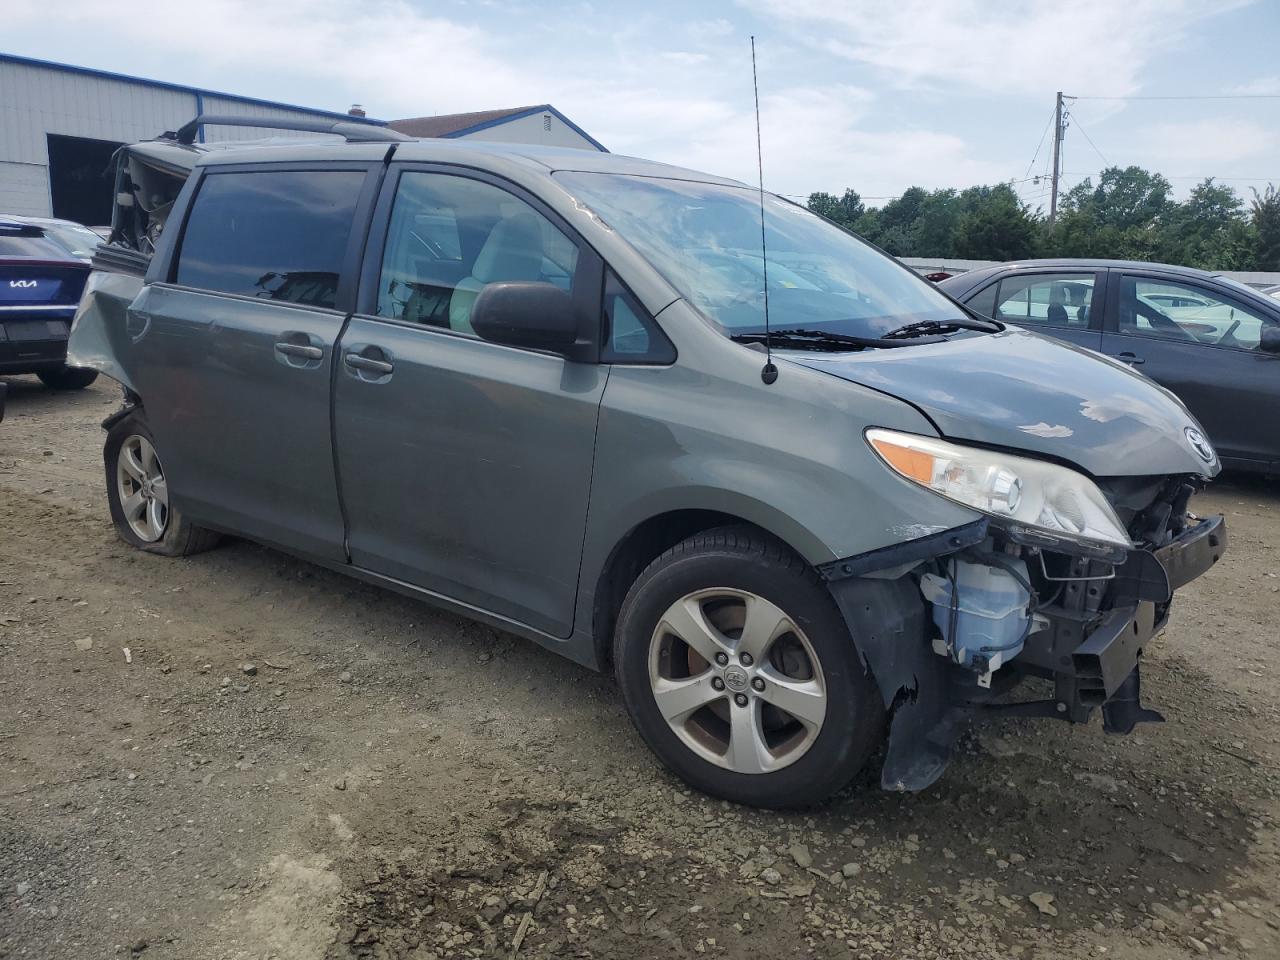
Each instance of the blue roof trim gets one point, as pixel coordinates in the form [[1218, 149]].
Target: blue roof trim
[[541, 108], [198, 92]]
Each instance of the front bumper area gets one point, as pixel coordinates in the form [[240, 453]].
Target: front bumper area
[[1092, 634]]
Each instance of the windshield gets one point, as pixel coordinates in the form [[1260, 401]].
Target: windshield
[[705, 240]]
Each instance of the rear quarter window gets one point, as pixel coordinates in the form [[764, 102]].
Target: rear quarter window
[[275, 235]]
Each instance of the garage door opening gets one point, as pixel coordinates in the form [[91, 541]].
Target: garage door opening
[[80, 178]]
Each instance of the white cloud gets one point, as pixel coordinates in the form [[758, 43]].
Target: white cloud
[[1259, 87], [640, 86], [1024, 46], [1206, 144]]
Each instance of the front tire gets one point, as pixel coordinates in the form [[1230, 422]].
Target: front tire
[[67, 378], [138, 494], [739, 672]]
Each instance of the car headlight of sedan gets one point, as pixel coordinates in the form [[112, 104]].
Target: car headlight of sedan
[[1030, 495]]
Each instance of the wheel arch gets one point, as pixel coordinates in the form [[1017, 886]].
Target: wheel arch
[[642, 544]]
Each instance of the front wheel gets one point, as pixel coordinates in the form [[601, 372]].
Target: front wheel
[[67, 378], [739, 672], [138, 494]]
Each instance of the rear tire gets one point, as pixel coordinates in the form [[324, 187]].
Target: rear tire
[[68, 378], [724, 722], [137, 492]]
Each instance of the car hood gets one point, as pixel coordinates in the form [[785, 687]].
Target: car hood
[[1020, 390]]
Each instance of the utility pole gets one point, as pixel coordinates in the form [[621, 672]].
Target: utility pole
[[1057, 156]]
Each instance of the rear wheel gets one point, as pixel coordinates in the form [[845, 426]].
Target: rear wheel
[[68, 378], [740, 673], [138, 494]]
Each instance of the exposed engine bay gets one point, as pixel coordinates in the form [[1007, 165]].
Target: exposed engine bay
[[988, 612]]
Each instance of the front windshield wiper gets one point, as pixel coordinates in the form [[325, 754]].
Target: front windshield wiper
[[805, 339], [924, 328]]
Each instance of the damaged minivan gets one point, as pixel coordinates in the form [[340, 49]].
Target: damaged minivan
[[792, 495]]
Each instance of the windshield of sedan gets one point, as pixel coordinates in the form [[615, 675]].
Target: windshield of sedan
[[704, 239]]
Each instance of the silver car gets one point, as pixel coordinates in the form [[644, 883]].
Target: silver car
[[553, 391]]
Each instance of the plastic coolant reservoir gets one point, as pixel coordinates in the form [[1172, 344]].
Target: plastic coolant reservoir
[[990, 616]]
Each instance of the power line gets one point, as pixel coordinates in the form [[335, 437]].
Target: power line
[[1217, 96], [1048, 124], [1084, 134]]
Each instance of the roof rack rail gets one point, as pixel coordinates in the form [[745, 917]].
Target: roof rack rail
[[352, 132]]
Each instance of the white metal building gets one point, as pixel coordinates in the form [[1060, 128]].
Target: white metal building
[[60, 124]]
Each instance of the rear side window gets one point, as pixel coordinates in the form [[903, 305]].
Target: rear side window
[[984, 301], [1055, 299], [275, 235]]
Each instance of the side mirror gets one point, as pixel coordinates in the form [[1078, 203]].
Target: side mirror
[[1270, 341], [523, 313]]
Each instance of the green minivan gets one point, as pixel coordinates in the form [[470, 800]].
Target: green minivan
[[553, 390]]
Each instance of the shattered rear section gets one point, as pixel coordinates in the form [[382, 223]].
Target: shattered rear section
[[102, 329]]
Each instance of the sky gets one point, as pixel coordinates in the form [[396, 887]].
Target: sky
[[869, 94]]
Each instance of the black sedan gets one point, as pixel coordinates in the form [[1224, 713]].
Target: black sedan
[[41, 278], [1211, 340]]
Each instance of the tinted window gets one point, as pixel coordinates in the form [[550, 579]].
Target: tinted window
[[631, 335], [1180, 311], [984, 301], [278, 235], [1057, 299], [450, 236]]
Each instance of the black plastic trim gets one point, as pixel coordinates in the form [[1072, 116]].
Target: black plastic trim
[[925, 548]]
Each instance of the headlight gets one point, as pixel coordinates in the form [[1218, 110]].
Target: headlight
[[1030, 493]]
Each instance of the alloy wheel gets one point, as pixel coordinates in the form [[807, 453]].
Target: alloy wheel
[[737, 680], [144, 494]]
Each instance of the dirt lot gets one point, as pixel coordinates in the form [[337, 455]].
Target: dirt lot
[[392, 782]]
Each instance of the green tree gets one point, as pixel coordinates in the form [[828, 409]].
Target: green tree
[[994, 225], [1266, 226], [844, 210], [1120, 218]]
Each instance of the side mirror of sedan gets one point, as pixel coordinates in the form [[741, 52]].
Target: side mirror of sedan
[[1270, 341], [526, 313]]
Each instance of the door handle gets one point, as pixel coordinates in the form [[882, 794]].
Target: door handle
[[369, 364], [300, 350], [1132, 359]]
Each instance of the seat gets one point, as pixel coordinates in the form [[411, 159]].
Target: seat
[[512, 251]]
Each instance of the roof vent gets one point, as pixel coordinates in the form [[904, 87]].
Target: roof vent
[[356, 111], [546, 122]]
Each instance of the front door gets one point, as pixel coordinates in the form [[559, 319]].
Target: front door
[[235, 354], [1202, 343], [465, 466]]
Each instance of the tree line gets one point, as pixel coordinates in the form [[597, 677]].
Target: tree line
[[1129, 214]]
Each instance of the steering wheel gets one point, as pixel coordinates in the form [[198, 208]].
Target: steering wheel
[[1160, 322]]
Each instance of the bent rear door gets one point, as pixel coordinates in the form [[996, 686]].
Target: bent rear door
[[235, 348], [465, 466]]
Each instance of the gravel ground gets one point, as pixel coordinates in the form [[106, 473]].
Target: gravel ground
[[286, 763]]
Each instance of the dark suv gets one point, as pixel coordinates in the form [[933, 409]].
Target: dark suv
[[553, 390]]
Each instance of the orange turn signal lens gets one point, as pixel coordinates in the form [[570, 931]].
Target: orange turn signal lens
[[914, 464]]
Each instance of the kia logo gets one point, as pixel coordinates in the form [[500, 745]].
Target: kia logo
[[1200, 445], [25, 284]]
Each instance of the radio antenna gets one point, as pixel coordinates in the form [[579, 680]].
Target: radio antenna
[[770, 373]]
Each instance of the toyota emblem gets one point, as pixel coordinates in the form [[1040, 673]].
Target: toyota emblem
[[1200, 445]]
